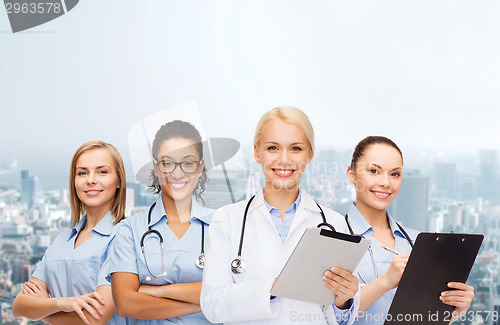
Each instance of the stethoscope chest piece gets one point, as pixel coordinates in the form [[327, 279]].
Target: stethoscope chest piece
[[200, 261], [148, 278], [238, 266]]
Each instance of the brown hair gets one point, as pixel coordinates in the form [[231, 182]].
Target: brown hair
[[367, 142], [118, 205], [184, 130]]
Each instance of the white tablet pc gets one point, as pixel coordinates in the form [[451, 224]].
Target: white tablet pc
[[318, 251]]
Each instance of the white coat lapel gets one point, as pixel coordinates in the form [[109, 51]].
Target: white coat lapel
[[300, 217], [260, 206]]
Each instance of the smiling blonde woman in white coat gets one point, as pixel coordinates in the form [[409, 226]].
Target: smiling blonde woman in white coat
[[277, 218]]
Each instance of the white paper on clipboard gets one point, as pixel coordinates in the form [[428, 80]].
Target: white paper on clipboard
[[317, 251]]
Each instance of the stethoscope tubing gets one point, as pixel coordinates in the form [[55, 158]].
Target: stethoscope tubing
[[238, 265], [243, 224], [370, 250], [199, 262]]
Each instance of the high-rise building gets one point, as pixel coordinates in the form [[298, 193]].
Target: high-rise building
[[453, 218], [410, 206], [487, 183], [31, 190], [494, 295], [445, 176], [27, 188]]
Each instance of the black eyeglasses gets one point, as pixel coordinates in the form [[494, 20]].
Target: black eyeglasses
[[168, 166]]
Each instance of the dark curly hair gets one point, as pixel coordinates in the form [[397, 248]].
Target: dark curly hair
[[185, 130]]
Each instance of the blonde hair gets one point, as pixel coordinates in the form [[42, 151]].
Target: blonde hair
[[290, 115], [118, 205]]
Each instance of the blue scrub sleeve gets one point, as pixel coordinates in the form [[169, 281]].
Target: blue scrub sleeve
[[102, 276], [122, 251], [342, 316], [40, 271]]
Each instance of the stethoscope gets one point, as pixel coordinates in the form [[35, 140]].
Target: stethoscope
[[200, 260], [370, 251], [238, 265]]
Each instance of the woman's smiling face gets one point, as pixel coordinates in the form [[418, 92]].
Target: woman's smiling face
[[283, 151], [178, 185], [377, 177], [96, 179]]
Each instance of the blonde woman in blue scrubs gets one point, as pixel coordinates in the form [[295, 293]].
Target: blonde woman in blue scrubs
[[69, 285], [376, 170], [162, 285]]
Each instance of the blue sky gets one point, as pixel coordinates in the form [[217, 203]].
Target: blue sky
[[424, 73]]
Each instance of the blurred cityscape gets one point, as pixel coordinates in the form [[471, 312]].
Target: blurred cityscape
[[456, 192]]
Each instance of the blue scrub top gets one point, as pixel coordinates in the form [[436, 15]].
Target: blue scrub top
[[70, 271], [179, 254], [376, 313]]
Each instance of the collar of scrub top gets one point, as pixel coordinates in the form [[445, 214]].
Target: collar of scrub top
[[155, 216], [197, 212], [359, 225], [103, 227]]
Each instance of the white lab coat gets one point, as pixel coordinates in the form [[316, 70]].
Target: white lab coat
[[244, 298]]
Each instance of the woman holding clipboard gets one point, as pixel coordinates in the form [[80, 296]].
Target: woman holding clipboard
[[242, 262], [376, 170]]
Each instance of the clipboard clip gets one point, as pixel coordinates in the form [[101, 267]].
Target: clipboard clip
[[332, 233], [341, 236]]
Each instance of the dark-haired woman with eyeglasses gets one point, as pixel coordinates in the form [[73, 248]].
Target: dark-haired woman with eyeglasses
[[156, 268]]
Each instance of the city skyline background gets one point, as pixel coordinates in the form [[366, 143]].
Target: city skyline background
[[424, 73]]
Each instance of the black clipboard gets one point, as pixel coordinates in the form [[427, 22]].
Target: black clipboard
[[435, 260]]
